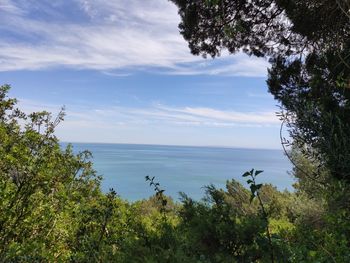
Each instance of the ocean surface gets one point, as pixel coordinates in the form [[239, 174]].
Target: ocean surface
[[182, 168]]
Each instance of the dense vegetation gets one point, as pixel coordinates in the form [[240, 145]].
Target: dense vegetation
[[308, 45], [52, 210]]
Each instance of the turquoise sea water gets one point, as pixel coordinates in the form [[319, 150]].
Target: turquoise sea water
[[181, 168]]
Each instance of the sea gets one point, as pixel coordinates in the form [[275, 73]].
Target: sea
[[184, 169]]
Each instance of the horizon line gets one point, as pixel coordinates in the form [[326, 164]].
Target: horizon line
[[174, 145]]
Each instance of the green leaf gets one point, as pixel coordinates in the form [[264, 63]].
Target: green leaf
[[253, 188], [249, 181], [258, 186], [257, 172], [246, 174]]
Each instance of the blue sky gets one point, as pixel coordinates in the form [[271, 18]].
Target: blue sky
[[125, 75]]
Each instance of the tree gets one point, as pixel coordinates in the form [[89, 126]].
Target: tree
[[308, 45], [52, 209]]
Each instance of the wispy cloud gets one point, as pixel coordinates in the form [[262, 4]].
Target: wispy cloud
[[163, 124], [9, 7], [106, 36], [159, 114], [227, 116]]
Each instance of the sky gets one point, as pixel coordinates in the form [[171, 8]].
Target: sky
[[125, 75]]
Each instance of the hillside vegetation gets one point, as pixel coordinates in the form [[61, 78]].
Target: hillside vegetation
[[53, 210]]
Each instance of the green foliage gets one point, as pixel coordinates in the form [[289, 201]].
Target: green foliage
[[219, 232], [254, 189], [263, 28], [52, 210], [42, 188], [307, 44]]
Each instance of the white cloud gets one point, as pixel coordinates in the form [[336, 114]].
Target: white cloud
[[161, 124], [159, 114], [235, 117], [9, 7], [110, 35]]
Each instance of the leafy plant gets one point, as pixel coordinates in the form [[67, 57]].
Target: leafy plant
[[255, 188]]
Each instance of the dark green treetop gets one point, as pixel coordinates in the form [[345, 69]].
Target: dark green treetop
[[308, 45], [268, 27]]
